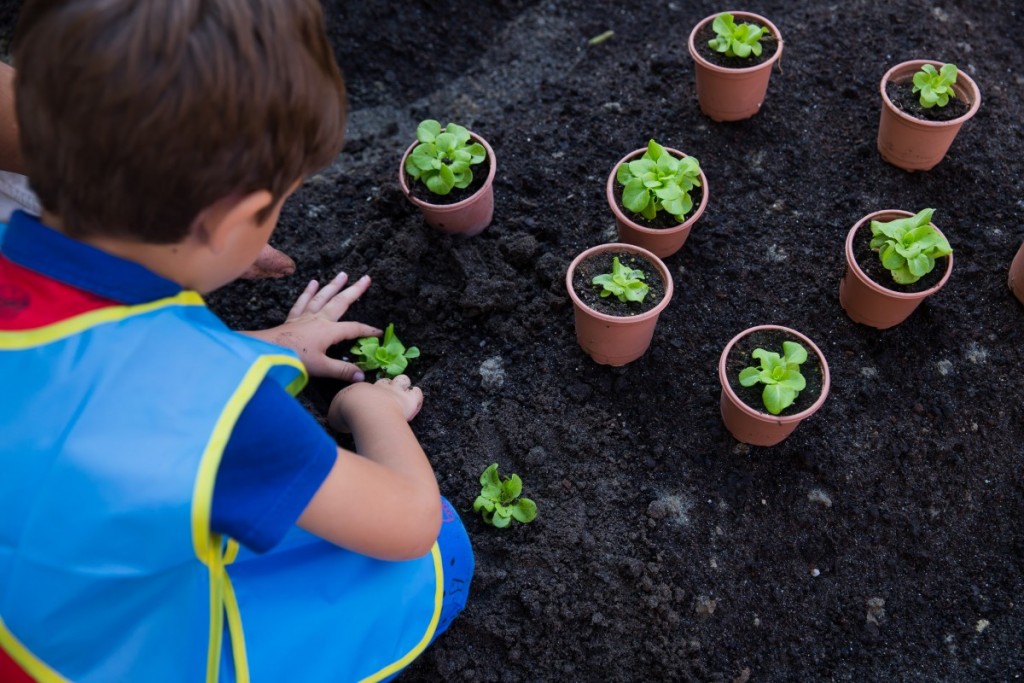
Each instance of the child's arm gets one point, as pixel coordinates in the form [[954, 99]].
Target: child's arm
[[383, 502]]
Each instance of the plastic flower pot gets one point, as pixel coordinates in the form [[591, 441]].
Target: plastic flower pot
[[869, 302], [1016, 276], [663, 242], [612, 339], [752, 424], [915, 144], [467, 217], [726, 94]]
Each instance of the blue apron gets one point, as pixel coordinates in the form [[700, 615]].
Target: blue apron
[[114, 423]]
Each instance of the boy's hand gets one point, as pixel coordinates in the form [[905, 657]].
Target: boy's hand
[[358, 398], [312, 327]]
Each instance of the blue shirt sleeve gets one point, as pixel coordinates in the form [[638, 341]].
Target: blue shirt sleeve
[[276, 459]]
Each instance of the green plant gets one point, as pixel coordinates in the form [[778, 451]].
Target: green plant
[[389, 357], [909, 246], [736, 40], [623, 282], [443, 158], [499, 502], [936, 87], [658, 180], [779, 374]]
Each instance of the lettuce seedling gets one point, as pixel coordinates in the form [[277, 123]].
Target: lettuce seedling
[[623, 282], [936, 87], [443, 158], [736, 40], [658, 180], [909, 246], [389, 357], [499, 502], [779, 374]]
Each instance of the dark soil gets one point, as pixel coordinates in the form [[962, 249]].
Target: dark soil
[[882, 541], [598, 264], [772, 340]]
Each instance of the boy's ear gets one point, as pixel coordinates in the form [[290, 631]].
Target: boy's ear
[[216, 225]]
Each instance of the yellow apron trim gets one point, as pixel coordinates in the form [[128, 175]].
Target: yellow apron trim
[[25, 659], [24, 339], [209, 548], [405, 661]]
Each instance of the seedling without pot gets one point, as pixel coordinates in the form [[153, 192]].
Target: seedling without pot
[[388, 356], [909, 246], [444, 156], [936, 87], [736, 40], [779, 374], [499, 502], [657, 181], [623, 282]]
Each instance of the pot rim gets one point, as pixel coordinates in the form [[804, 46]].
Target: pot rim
[[666, 278], [851, 262], [914, 65], [697, 57], [609, 190], [493, 163], [826, 381]]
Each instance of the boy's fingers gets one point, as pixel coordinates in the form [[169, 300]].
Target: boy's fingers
[[327, 293], [339, 369], [353, 330], [299, 307], [340, 301]]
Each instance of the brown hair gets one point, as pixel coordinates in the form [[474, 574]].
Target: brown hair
[[135, 115]]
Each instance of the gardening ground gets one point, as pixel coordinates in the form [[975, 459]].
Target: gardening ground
[[883, 540]]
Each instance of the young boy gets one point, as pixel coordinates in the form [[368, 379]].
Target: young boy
[[143, 441]]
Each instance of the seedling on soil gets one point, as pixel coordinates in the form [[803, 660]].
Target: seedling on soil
[[623, 282], [779, 374], [657, 181], [936, 87], [389, 357], [909, 246], [736, 40], [499, 502], [444, 156]]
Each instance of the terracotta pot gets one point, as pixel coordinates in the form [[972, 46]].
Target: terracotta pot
[[615, 340], [1016, 277], [467, 217], [914, 144], [756, 427], [663, 242], [732, 94], [868, 302]]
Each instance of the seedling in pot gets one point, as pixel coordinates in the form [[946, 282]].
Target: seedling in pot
[[779, 374], [657, 181], [499, 502], [444, 156], [623, 282], [909, 246], [736, 40], [936, 87], [388, 356]]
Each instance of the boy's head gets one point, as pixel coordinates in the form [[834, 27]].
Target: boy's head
[[135, 115]]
